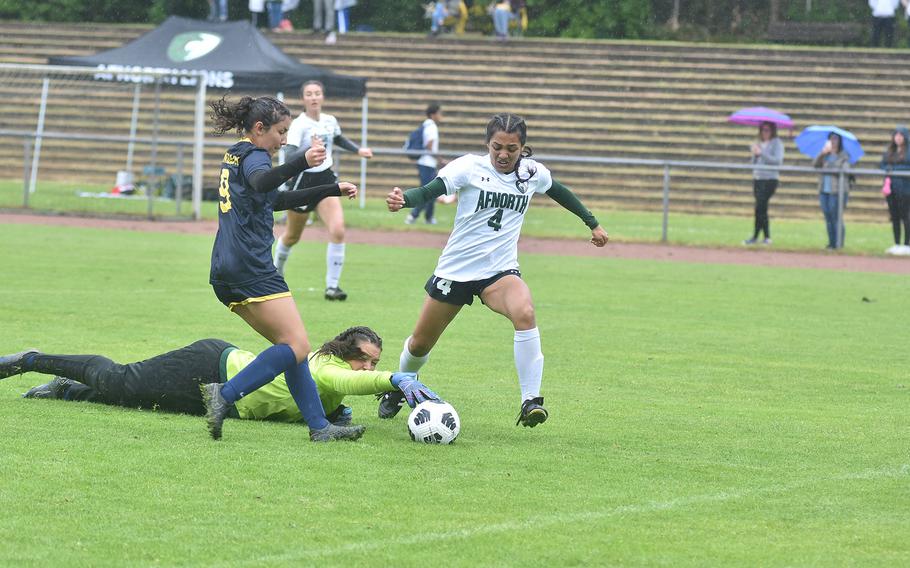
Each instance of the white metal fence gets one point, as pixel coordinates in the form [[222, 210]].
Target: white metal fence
[[43, 118]]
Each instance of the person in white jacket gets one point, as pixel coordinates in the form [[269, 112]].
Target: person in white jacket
[[883, 21]]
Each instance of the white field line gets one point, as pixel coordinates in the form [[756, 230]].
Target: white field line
[[542, 521]]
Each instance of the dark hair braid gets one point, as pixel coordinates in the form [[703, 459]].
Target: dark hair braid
[[344, 346], [512, 123], [243, 115]]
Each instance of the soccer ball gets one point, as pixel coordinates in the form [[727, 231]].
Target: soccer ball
[[434, 422]]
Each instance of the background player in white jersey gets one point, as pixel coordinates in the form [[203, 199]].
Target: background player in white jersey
[[481, 256], [314, 123]]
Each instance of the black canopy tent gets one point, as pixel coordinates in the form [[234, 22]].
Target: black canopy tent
[[233, 55], [229, 55]]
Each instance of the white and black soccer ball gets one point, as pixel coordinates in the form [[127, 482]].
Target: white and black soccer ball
[[434, 422]]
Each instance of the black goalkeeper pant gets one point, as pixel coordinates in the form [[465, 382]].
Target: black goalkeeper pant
[[167, 382]]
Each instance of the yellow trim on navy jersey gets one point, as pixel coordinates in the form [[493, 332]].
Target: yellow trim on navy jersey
[[233, 305]]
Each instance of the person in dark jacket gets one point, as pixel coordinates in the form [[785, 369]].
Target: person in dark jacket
[[896, 159]]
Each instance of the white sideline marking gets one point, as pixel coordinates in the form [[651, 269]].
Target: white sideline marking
[[558, 519]]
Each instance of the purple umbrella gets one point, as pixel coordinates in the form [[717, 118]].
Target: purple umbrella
[[754, 116]]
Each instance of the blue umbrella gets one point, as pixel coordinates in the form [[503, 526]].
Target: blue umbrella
[[812, 139]]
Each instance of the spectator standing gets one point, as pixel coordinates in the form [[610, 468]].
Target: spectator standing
[[461, 8], [898, 197], [343, 9], [437, 13], [831, 160], [768, 151], [502, 15], [218, 11], [883, 21], [256, 8], [324, 19], [520, 13], [428, 164]]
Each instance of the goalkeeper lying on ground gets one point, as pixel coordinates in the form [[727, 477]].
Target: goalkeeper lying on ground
[[171, 382]]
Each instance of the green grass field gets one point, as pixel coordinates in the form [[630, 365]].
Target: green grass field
[[700, 415], [862, 237]]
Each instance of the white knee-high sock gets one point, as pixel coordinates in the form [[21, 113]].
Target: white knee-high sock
[[528, 362], [409, 363], [334, 262], [282, 252]]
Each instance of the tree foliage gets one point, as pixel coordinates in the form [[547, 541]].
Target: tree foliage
[[623, 19], [626, 19]]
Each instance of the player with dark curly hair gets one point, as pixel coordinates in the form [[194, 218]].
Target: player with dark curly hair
[[242, 274], [344, 366], [481, 256]]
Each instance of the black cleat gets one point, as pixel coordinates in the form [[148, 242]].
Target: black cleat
[[390, 403], [55, 389], [532, 412], [14, 364], [216, 408], [335, 293], [332, 432], [341, 416]]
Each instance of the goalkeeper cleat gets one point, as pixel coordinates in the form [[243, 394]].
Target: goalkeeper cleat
[[390, 403], [335, 293], [216, 408], [332, 432], [532, 412], [15, 364], [55, 389], [341, 416]]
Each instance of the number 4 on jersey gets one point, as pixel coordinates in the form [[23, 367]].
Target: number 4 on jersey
[[496, 220]]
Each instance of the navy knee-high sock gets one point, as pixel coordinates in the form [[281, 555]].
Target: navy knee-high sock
[[264, 368], [303, 389]]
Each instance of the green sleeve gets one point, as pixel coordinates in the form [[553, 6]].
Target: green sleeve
[[335, 375], [425, 193], [564, 196]]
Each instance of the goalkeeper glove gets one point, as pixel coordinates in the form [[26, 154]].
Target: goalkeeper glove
[[413, 390]]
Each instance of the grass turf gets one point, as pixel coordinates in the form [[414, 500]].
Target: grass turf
[[862, 237], [700, 414]]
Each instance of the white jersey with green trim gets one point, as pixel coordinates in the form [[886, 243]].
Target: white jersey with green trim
[[304, 128], [491, 210]]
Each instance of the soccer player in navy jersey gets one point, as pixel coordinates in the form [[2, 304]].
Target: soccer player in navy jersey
[[242, 273]]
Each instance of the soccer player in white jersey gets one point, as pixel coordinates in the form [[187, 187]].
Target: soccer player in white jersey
[[481, 256], [313, 123]]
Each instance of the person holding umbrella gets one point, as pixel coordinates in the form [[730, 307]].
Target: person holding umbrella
[[831, 159], [767, 151], [831, 148]]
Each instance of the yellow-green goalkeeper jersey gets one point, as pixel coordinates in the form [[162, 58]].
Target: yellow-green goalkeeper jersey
[[334, 379]]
